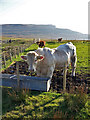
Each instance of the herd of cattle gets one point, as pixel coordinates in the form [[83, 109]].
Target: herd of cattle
[[39, 42], [45, 60], [42, 43]]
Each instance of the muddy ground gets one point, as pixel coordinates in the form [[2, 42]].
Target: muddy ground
[[79, 81]]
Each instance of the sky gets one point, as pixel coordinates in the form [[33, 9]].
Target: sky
[[69, 14]]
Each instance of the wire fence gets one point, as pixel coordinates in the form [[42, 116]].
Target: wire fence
[[12, 52]]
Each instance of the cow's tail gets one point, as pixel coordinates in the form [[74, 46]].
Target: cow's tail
[[73, 61], [74, 58]]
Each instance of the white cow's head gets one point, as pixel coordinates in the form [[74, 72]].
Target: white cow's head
[[32, 58]]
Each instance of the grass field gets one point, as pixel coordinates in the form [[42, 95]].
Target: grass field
[[26, 104]]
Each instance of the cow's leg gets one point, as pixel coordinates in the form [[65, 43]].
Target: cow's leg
[[50, 72], [64, 77], [73, 71], [73, 64]]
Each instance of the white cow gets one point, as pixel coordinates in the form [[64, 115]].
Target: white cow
[[45, 60]]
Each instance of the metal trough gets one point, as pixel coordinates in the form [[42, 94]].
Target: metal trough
[[33, 83]]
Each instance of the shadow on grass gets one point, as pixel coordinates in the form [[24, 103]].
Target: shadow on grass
[[45, 110], [12, 106], [14, 97], [46, 105]]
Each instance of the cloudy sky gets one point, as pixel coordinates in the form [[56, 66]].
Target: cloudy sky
[[70, 14]]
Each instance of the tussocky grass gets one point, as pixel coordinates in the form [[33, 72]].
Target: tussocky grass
[[27, 104]]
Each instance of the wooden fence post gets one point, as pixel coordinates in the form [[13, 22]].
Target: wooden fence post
[[0, 62], [15, 52], [4, 60], [21, 49], [18, 77], [18, 51], [24, 47], [10, 55]]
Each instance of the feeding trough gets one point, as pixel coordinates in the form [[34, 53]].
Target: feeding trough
[[28, 82], [22, 81]]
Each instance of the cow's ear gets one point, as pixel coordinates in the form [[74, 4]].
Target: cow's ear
[[24, 57], [40, 57]]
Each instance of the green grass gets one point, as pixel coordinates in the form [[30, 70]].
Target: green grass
[[26, 104], [82, 56], [32, 48]]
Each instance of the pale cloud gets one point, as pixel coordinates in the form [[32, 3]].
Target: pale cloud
[[71, 14]]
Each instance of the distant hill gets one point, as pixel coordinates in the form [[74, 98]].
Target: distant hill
[[40, 31]]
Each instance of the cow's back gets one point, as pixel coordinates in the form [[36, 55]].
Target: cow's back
[[67, 48], [63, 54]]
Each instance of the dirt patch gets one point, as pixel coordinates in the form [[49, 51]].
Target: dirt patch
[[82, 79]]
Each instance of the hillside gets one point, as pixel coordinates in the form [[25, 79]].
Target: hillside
[[40, 31]]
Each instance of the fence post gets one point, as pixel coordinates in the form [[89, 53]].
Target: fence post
[[21, 49], [18, 77], [4, 60], [18, 51], [24, 47], [15, 52], [10, 55]]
